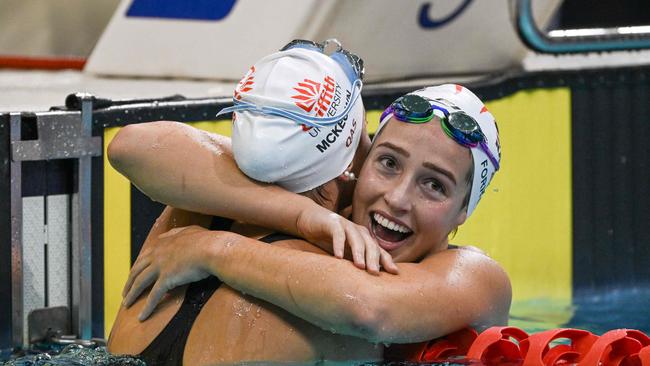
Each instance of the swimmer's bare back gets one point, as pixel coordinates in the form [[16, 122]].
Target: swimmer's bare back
[[233, 327]]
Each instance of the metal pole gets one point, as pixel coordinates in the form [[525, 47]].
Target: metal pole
[[81, 236], [16, 238]]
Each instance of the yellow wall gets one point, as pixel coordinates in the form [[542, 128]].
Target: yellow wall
[[117, 235], [524, 221]]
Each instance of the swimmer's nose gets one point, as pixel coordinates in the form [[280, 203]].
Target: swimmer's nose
[[397, 196]]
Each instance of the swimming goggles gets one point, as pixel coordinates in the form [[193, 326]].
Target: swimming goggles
[[351, 64], [458, 125]]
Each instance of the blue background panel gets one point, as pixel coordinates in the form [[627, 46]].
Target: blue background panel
[[212, 10]]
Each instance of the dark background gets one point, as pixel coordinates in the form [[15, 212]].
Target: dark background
[[602, 13]]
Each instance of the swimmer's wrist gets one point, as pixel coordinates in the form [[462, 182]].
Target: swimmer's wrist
[[215, 248], [302, 220]]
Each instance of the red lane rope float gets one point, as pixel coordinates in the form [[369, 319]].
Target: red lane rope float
[[495, 347], [42, 63], [617, 347], [500, 346], [450, 346], [538, 350]]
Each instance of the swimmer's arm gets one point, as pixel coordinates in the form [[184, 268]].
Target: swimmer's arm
[[443, 293], [193, 170], [184, 167]]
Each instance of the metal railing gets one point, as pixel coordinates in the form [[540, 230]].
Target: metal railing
[[576, 40], [61, 135]]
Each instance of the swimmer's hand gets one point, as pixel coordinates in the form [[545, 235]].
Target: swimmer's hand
[[332, 232], [173, 260]]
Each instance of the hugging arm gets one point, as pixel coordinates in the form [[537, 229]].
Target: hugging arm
[[193, 170], [444, 293]]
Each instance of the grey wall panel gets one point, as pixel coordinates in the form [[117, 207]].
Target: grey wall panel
[[58, 250], [33, 257]]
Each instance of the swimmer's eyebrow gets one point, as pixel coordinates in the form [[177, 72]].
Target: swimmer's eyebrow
[[440, 170], [427, 164], [396, 148]]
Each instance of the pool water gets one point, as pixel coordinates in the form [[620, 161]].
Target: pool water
[[597, 312], [75, 355]]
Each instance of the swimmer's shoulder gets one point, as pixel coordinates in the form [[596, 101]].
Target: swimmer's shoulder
[[474, 273], [466, 257], [466, 247]]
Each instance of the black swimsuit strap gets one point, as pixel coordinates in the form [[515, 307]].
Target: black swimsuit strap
[[169, 346], [277, 237]]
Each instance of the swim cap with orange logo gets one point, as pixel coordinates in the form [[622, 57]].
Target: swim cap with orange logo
[[297, 119]]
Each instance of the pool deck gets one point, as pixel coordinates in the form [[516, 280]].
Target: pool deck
[[33, 91]]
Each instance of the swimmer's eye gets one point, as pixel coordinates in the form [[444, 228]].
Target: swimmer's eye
[[388, 162], [434, 185]]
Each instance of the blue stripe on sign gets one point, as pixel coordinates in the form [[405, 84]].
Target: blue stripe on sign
[[181, 9], [428, 23]]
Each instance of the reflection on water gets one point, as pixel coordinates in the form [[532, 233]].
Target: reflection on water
[[540, 314], [600, 311], [597, 311], [76, 355]]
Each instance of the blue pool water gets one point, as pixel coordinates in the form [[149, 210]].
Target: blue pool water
[[597, 311]]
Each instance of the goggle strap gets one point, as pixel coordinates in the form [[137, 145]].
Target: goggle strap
[[388, 113], [299, 118], [487, 152]]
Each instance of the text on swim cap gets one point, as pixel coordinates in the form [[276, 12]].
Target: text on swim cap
[[484, 177], [326, 96], [311, 93], [336, 101], [349, 140], [334, 133], [332, 136]]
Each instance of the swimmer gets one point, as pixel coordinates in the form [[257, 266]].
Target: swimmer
[[416, 186], [209, 322]]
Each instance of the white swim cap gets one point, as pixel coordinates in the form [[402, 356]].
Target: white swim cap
[[297, 120], [464, 100]]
